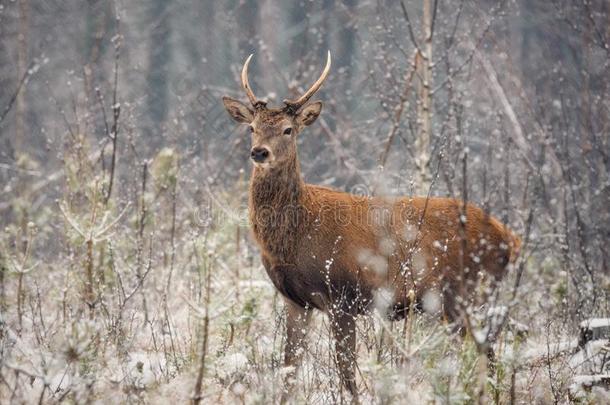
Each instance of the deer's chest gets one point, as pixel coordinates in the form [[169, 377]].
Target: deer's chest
[[302, 287]]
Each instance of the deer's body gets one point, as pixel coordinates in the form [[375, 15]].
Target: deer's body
[[340, 253], [321, 246]]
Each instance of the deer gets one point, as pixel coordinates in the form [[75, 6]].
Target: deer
[[336, 252]]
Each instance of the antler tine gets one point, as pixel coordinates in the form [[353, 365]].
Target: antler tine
[[244, 81], [296, 104]]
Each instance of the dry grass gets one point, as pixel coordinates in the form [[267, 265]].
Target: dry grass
[[149, 300]]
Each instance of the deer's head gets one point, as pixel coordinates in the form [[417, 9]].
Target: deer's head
[[274, 130]]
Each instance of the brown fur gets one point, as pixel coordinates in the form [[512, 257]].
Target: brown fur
[[301, 226], [332, 251]]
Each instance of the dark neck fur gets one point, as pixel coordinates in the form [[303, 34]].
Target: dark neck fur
[[275, 210]]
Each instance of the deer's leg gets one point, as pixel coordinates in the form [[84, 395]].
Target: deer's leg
[[343, 325], [491, 360], [450, 311], [297, 322]]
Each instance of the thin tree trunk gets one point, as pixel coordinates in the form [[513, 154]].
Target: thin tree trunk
[[22, 65], [424, 105]]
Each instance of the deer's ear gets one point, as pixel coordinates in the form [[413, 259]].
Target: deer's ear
[[238, 110], [309, 113]]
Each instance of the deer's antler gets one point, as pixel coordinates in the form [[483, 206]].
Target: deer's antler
[[294, 105], [246, 83]]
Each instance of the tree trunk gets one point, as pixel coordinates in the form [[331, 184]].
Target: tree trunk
[[424, 105], [22, 65]]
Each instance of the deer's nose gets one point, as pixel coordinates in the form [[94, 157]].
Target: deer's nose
[[259, 155]]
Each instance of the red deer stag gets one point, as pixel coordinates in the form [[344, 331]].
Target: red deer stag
[[334, 251]]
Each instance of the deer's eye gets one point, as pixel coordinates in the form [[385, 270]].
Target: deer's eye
[[288, 131], [250, 128]]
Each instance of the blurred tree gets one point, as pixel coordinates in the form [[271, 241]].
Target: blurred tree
[[22, 66], [159, 63]]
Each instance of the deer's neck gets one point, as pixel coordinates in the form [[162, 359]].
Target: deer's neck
[[276, 210]]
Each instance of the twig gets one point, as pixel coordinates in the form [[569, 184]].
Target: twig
[[409, 26], [398, 113], [116, 112], [28, 72]]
